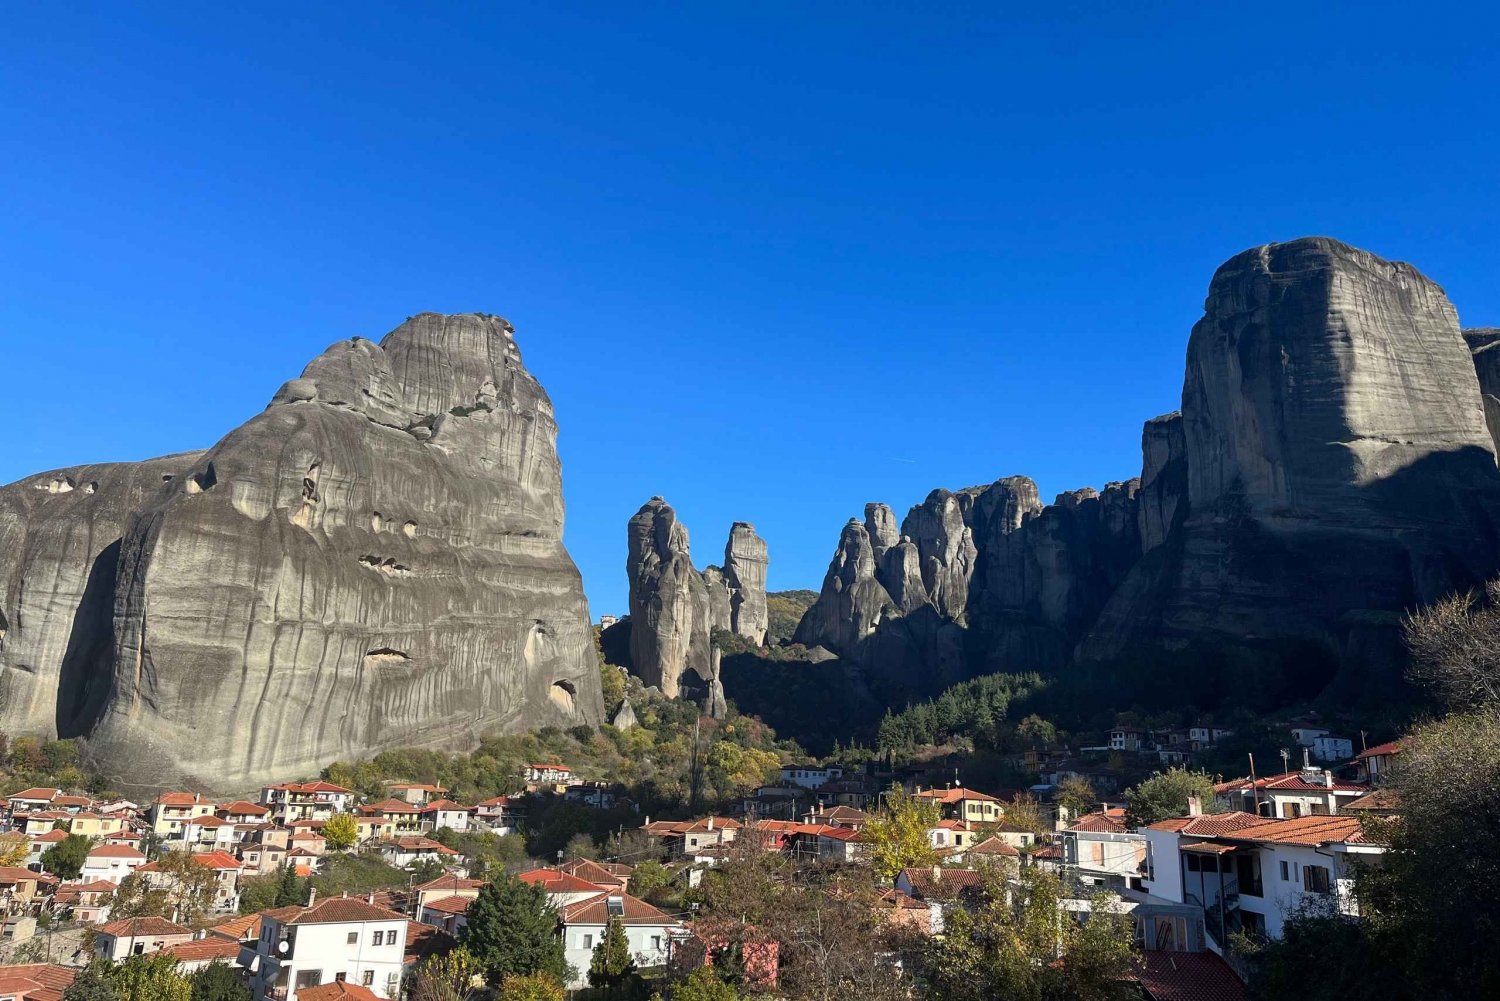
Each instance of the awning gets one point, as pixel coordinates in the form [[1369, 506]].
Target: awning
[[1209, 848]]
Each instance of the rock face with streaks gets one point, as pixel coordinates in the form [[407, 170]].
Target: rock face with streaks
[[1332, 465], [674, 608], [373, 561]]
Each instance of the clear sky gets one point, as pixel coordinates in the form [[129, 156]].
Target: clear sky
[[770, 260]]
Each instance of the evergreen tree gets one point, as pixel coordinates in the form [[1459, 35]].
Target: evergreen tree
[[218, 981], [290, 890], [65, 859], [512, 931], [91, 984], [612, 970]]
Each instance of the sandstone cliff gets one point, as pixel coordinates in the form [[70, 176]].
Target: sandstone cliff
[[375, 560], [674, 608], [1330, 467]]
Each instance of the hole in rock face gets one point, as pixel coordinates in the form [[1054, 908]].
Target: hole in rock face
[[303, 516], [166, 478], [409, 530], [58, 485], [90, 488], [199, 482], [562, 694], [376, 522], [386, 656]]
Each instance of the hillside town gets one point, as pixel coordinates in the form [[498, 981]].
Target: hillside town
[[90, 879]]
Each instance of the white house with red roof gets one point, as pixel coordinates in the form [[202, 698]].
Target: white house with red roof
[[346, 939], [498, 814], [958, 803], [562, 888], [138, 936], [225, 867], [649, 931], [1308, 792], [289, 801], [404, 850], [548, 775], [171, 810], [1253, 873], [1373, 763], [110, 864], [445, 813], [1101, 850], [416, 793], [31, 800]]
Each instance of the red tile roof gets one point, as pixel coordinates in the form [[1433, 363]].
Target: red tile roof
[[1188, 976], [449, 905], [19, 874], [595, 911], [36, 793], [389, 806], [601, 875], [1287, 782], [938, 882], [205, 950], [181, 799], [243, 927], [417, 843], [557, 881], [1380, 750], [1211, 825], [129, 927], [451, 883], [993, 846], [334, 910], [955, 795], [338, 990], [114, 851], [312, 787], [218, 860], [36, 981], [1098, 823], [242, 807]]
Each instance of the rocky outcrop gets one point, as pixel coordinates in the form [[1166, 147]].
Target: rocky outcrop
[[745, 562], [373, 561], [674, 609], [1331, 466]]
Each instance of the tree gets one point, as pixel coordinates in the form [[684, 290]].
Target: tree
[[703, 984], [290, 888], [91, 984], [218, 981], [612, 970], [151, 977], [189, 884], [581, 845], [649, 878], [1165, 794], [896, 834], [135, 898], [1014, 943], [65, 859], [1077, 794], [451, 977], [14, 852], [1455, 647], [511, 931], [341, 832], [1025, 813], [532, 987], [1036, 732]]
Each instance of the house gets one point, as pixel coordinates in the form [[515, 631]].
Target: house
[[291, 801], [898, 908], [708, 832], [810, 776], [498, 814], [1378, 803], [111, 863], [1126, 738], [445, 886], [43, 821], [839, 844], [244, 928], [939, 885], [398, 815], [958, 803], [599, 795], [88, 824], [448, 913], [547, 775], [1178, 975], [1330, 748], [445, 813], [991, 849], [195, 955], [1253, 873], [845, 792], [19, 887], [562, 888], [1102, 851], [611, 876], [344, 940], [35, 982], [838, 816], [226, 869], [31, 800], [957, 834], [338, 990], [1308, 792], [1374, 763], [208, 832], [406, 850], [416, 793], [138, 936], [1306, 733], [172, 809], [88, 903], [649, 931], [243, 812]]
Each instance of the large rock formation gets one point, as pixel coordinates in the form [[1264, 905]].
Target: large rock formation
[[373, 561], [674, 608], [1330, 468]]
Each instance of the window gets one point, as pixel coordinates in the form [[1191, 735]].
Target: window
[[588, 941], [354, 935], [380, 938], [1284, 876], [1315, 879], [367, 978], [309, 978], [340, 977]]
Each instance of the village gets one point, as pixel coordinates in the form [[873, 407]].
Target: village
[[92, 879]]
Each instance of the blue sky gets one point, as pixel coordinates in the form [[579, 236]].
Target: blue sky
[[771, 261]]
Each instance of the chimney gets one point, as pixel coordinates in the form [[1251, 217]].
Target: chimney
[[710, 821], [371, 898], [312, 895], [1195, 806], [937, 874], [1327, 779], [1306, 764]]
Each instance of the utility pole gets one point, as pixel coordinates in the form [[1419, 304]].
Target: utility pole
[[1254, 789]]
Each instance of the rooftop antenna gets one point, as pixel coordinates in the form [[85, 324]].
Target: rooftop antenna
[[1254, 789], [1285, 759]]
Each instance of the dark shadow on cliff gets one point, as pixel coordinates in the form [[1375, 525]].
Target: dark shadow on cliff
[[84, 678]]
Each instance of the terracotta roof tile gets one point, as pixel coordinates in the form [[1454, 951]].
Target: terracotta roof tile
[[205, 950], [449, 905], [338, 990], [143, 926], [595, 911], [36, 981]]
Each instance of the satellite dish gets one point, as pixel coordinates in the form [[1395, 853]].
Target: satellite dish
[[283, 946]]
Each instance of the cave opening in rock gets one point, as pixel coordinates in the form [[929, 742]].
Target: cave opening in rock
[[563, 694], [199, 482]]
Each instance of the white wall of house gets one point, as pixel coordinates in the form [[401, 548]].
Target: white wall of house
[[320, 952], [1103, 854], [648, 943], [111, 870], [1163, 864]]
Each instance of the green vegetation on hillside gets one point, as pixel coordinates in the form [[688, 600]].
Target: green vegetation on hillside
[[785, 609]]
